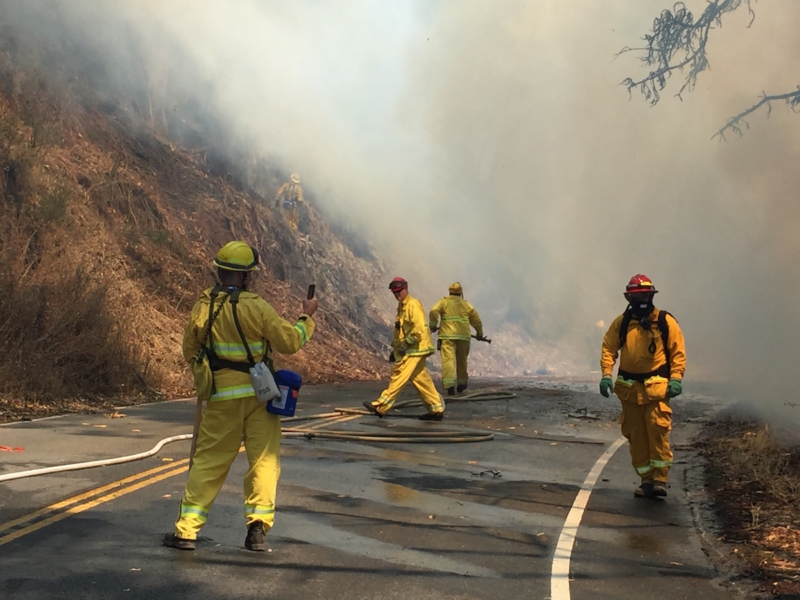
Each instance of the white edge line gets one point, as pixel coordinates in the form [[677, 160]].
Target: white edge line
[[87, 413], [559, 575]]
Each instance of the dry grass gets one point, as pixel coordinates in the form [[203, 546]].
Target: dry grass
[[106, 234], [753, 481]]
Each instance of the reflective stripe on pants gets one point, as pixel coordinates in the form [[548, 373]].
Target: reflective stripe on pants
[[647, 427], [223, 425], [454, 362], [415, 370]]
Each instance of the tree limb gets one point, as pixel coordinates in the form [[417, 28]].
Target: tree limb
[[678, 42], [735, 124]]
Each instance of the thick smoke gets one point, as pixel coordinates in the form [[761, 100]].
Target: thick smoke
[[490, 142]]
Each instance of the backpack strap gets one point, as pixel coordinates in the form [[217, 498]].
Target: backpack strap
[[234, 302], [204, 350], [627, 316], [663, 327]]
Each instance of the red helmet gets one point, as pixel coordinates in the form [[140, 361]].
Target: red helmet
[[640, 283], [397, 284]]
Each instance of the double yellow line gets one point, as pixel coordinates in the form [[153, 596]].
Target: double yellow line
[[83, 502], [59, 511], [331, 421]]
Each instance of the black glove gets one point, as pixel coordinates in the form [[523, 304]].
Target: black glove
[[391, 356]]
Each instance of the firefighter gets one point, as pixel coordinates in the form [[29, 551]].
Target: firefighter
[[233, 413], [651, 366], [457, 315], [290, 196], [411, 347]]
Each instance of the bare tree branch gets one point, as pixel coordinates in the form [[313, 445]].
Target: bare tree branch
[[678, 43], [736, 123]]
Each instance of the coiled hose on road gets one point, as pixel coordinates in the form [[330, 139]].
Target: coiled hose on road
[[396, 437]]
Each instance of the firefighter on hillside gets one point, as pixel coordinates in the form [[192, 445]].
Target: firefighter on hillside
[[290, 196], [651, 366], [233, 413], [411, 347], [457, 315]]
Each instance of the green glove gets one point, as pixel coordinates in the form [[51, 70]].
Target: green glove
[[606, 384], [674, 388]]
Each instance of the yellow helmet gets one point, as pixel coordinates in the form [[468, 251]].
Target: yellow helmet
[[455, 288], [295, 178], [237, 256]]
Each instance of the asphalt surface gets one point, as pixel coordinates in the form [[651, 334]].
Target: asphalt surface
[[355, 519]]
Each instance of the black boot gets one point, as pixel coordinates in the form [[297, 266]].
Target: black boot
[[645, 490], [256, 537], [461, 388], [173, 541], [432, 416], [451, 391], [659, 489], [371, 408]]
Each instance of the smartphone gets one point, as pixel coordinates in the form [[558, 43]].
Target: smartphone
[[311, 289]]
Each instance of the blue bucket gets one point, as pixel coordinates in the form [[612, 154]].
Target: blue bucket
[[289, 384]]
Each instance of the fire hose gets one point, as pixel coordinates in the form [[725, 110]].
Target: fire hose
[[410, 437]]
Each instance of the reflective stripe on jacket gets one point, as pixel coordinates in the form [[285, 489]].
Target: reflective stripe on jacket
[[413, 330], [263, 329], [456, 316]]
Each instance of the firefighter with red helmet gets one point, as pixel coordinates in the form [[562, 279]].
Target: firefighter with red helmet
[[652, 361], [411, 347]]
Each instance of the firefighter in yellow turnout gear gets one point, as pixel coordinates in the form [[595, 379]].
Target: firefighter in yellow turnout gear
[[456, 315], [651, 367], [290, 196], [411, 347], [233, 414]]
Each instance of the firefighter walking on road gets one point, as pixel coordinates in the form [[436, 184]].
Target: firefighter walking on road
[[456, 316], [233, 413], [652, 361], [411, 347]]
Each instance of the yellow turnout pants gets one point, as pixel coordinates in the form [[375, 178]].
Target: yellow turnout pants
[[225, 423], [292, 215], [415, 370], [647, 427], [454, 362]]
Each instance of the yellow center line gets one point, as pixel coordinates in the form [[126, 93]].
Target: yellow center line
[[91, 504], [335, 421], [116, 484]]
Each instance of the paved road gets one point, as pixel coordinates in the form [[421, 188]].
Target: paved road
[[356, 520]]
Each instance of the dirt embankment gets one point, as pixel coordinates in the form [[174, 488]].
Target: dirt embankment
[[106, 235], [753, 481]]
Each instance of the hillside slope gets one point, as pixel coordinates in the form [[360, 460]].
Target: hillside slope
[[106, 236]]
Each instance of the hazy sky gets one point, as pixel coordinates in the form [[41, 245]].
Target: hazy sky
[[491, 142]]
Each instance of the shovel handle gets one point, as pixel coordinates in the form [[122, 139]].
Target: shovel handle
[[198, 415]]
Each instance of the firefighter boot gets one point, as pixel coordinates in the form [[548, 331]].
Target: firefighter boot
[[437, 416], [659, 489], [451, 391], [645, 490], [373, 409], [256, 537], [461, 388], [173, 541]]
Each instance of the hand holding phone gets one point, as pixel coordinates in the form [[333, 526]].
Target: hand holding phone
[[310, 303]]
